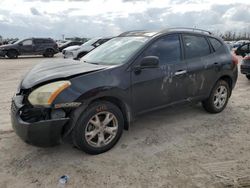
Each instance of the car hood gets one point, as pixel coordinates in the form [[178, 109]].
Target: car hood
[[70, 48], [85, 48], [58, 69], [6, 46]]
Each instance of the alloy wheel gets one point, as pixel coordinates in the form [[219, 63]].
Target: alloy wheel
[[101, 129]]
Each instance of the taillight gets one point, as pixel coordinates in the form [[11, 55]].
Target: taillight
[[235, 59]]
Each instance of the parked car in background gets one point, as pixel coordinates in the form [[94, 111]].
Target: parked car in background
[[31, 46], [71, 48], [229, 44], [240, 43], [243, 50], [85, 48], [245, 66], [69, 43], [93, 100]]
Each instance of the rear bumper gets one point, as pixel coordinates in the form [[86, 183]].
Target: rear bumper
[[42, 133]]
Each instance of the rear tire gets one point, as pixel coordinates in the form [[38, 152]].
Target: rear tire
[[248, 76], [12, 54], [218, 98], [49, 53], [98, 128]]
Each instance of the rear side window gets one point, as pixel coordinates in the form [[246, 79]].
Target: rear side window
[[215, 43], [167, 49], [195, 46], [42, 41]]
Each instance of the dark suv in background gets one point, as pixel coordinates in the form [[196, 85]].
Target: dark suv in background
[[93, 100], [31, 46]]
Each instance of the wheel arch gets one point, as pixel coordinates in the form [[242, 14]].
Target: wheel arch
[[13, 49], [228, 79], [125, 109], [49, 48]]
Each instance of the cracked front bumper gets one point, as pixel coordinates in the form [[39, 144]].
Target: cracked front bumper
[[41, 133]]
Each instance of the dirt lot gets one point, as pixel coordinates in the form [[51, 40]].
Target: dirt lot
[[180, 146]]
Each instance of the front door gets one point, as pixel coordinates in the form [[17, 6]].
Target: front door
[[26, 47], [155, 87]]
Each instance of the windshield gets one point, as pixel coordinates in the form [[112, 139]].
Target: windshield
[[18, 41], [89, 42], [115, 51]]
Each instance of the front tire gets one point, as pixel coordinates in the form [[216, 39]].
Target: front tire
[[12, 54], [248, 76], [98, 128], [218, 98]]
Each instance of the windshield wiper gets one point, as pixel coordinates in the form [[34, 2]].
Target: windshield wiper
[[90, 62]]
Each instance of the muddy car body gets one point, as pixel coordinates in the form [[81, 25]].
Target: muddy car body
[[93, 101]]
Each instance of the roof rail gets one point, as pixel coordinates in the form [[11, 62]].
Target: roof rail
[[188, 29], [127, 32]]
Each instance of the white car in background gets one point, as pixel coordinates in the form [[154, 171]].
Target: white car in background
[[85, 48], [71, 48]]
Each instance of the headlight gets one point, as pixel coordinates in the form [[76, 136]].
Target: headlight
[[45, 95]]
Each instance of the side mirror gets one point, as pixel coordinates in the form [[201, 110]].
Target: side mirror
[[149, 62], [20, 44]]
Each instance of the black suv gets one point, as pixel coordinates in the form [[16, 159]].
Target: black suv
[[31, 46], [93, 100]]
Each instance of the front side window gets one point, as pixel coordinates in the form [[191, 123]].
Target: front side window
[[195, 46], [167, 49], [116, 51], [27, 42]]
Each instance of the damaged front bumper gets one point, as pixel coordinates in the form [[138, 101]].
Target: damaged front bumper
[[2, 53], [42, 133]]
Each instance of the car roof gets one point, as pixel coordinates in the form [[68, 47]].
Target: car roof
[[144, 33]]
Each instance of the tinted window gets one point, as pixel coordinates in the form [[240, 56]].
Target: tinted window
[[166, 48], [215, 43], [42, 41], [38, 41], [195, 46]]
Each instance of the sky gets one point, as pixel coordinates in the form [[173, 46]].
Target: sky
[[96, 18]]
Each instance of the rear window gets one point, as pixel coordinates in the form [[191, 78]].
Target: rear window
[[42, 41], [195, 46], [215, 43]]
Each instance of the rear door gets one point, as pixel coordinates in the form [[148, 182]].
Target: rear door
[[200, 64], [154, 87], [39, 45]]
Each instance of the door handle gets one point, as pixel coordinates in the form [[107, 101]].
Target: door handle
[[216, 64], [180, 72]]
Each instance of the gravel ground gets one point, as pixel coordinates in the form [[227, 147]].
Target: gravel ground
[[181, 146]]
